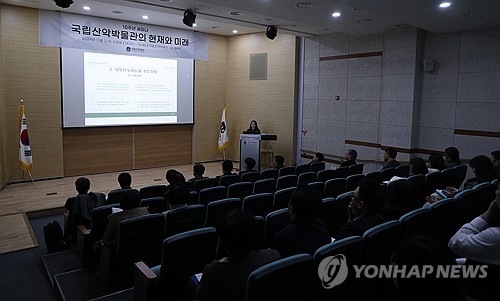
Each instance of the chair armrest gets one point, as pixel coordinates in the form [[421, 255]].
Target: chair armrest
[[83, 242], [144, 282], [105, 266], [66, 217]]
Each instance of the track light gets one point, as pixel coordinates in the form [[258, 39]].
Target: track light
[[63, 3], [272, 32], [189, 17]]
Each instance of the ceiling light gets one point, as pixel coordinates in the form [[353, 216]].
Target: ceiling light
[[236, 13], [86, 8], [336, 14], [363, 21], [201, 7], [235, 31], [194, 24], [271, 32], [145, 17], [63, 3], [189, 17], [304, 4], [445, 4], [118, 12]]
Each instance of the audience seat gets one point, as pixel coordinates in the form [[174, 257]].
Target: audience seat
[[306, 178], [460, 173], [275, 221], [418, 182], [152, 191], [155, 204], [467, 205], [416, 222], [258, 204], [449, 177], [342, 172], [328, 213], [219, 209], [356, 169], [282, 198], [433, 180], [325, 175], [251, 177], [403, 171], [265, 185], [228, 180], [184, 219], [205, 183], [352, 182], [318, 188], [485, 195], [342, 216], [115, 196], [317, 166], [240, 190], [285, 171], [445, 219], [211, 194], [374, 175], [269, 174], [334, 187], [286, 182], [300, 169], [387, 173]]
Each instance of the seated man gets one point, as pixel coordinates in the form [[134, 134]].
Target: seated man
[[279, 162], [178, 196], [305, 233], [350, 158], [390, 155], [227, 168], [198, 171], [249, 165], [130, 206], [318, 157], [225, 279], [125, 181], [363, 210]]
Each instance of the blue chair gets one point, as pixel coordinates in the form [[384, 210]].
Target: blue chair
[[184, 219], [356, 169], [352, 182], [416, 222], [375, 176], [460, 174], [251, 177], [317, 166], [152, 191], [155, 204], [207, 195], [434, 180], [227, 180], [217, 210], [275, 221], [485, 195], [343, 201], [269, 174], [445, 219], [318, 188], [240, 190], [300, 169], [205, 183], [387, 173], [342, 172], [282, 198], [467, 203], [258, 204], [285, 171], [449, 177], [334, 187], [286, 182], [285, 279], [328, 213], [265, 185], [325, 175], [306, 178], [403, 171], [381, 242]]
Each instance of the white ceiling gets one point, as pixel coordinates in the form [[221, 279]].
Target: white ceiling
[[357, 16]]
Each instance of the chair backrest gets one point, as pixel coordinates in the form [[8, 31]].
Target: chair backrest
[[328, 213], [381, 242], [349, 252], [334, 187], [416, 222], [433, 181], [261, 225], [265, 185], [285, 171], [99, 221], [300, 169], [286, 182], [269, 174], [275, 221], [217, 210], [387, 173], [205, 183], [356, 169], [317, 166], [460, 173], [342, 216], [449, 177], [445, 219], [286, 279], [318, 188], [184, 219], [418, 182], [306, 178], [258, 204], [251, 177], [211, 194], [115, 196], [485, 195], [352, 182], [184, 255], [374, 175], [240, 190], [325, 175], [155, 204], [466, 203], [282, 198], [228, 180], [341, 172], [403, 171], [152, 191], [193, 197]]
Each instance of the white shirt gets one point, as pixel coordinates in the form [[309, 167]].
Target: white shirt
[[477, 241]]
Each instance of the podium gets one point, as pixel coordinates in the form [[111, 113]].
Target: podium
[[250, 147]]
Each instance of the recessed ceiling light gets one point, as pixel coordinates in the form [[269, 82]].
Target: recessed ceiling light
[[236, 13], [336, 14], [445, 4], [194, 24], [235, 31], [363, 21], [304, 4], [86, 8], [214, 27], [145, 17], [201, 7], [167, 1], [118, 12]]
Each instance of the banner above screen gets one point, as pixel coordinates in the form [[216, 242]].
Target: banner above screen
[[61, 29]]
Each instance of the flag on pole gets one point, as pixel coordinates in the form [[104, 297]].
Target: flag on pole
[[223, 138], [25, 159]]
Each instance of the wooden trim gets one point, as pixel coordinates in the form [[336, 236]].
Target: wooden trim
[[351, 56], [398, 149], [326, 159], [362, 143], [28, 225], [477, 133]]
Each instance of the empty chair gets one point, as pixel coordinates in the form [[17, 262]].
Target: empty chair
[[115, 196], [240, 190], [205, 183], [193, 197], [342, 216], [286, 182], [155, 204], [374, 175], [419, 182], [460, 174], [449, 177], [381, 242], [403, 171], [485, 195], [445, 219], [300, 169], [261, 225], [285, 171], [265, 185], [433, 181], [227, 180], [184, 219], [282, 198], [258, 204], [183, 255], [306, 178], [285, 279], [352, 182], [152, 191], [317, 166], [275, 221], [342, 172], [318, 188], [467, 203], [328, 213], [325, 175], [334, 187], [252, 176], [269, 174], [387, 174], [416, 222], [211, 194], [356, 169], [217, 210]]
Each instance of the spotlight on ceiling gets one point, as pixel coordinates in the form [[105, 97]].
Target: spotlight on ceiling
[[189, 17], [272, 32], [63, 3]]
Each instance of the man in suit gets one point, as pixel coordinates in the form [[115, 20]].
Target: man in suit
[[390, 157], [350, 158], [114, 196], [363, 210]]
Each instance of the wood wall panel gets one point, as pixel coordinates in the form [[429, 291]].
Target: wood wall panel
[[95, 150], [3, 174], [156, 146]]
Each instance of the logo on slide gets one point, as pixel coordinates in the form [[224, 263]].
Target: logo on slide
[[332, 271], [128, 49]]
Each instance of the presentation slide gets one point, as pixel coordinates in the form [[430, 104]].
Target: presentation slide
[[103, 89]]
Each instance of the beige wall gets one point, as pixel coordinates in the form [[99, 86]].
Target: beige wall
[[271, 102]]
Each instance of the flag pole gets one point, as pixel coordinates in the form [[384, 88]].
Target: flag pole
[[31, 177]]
